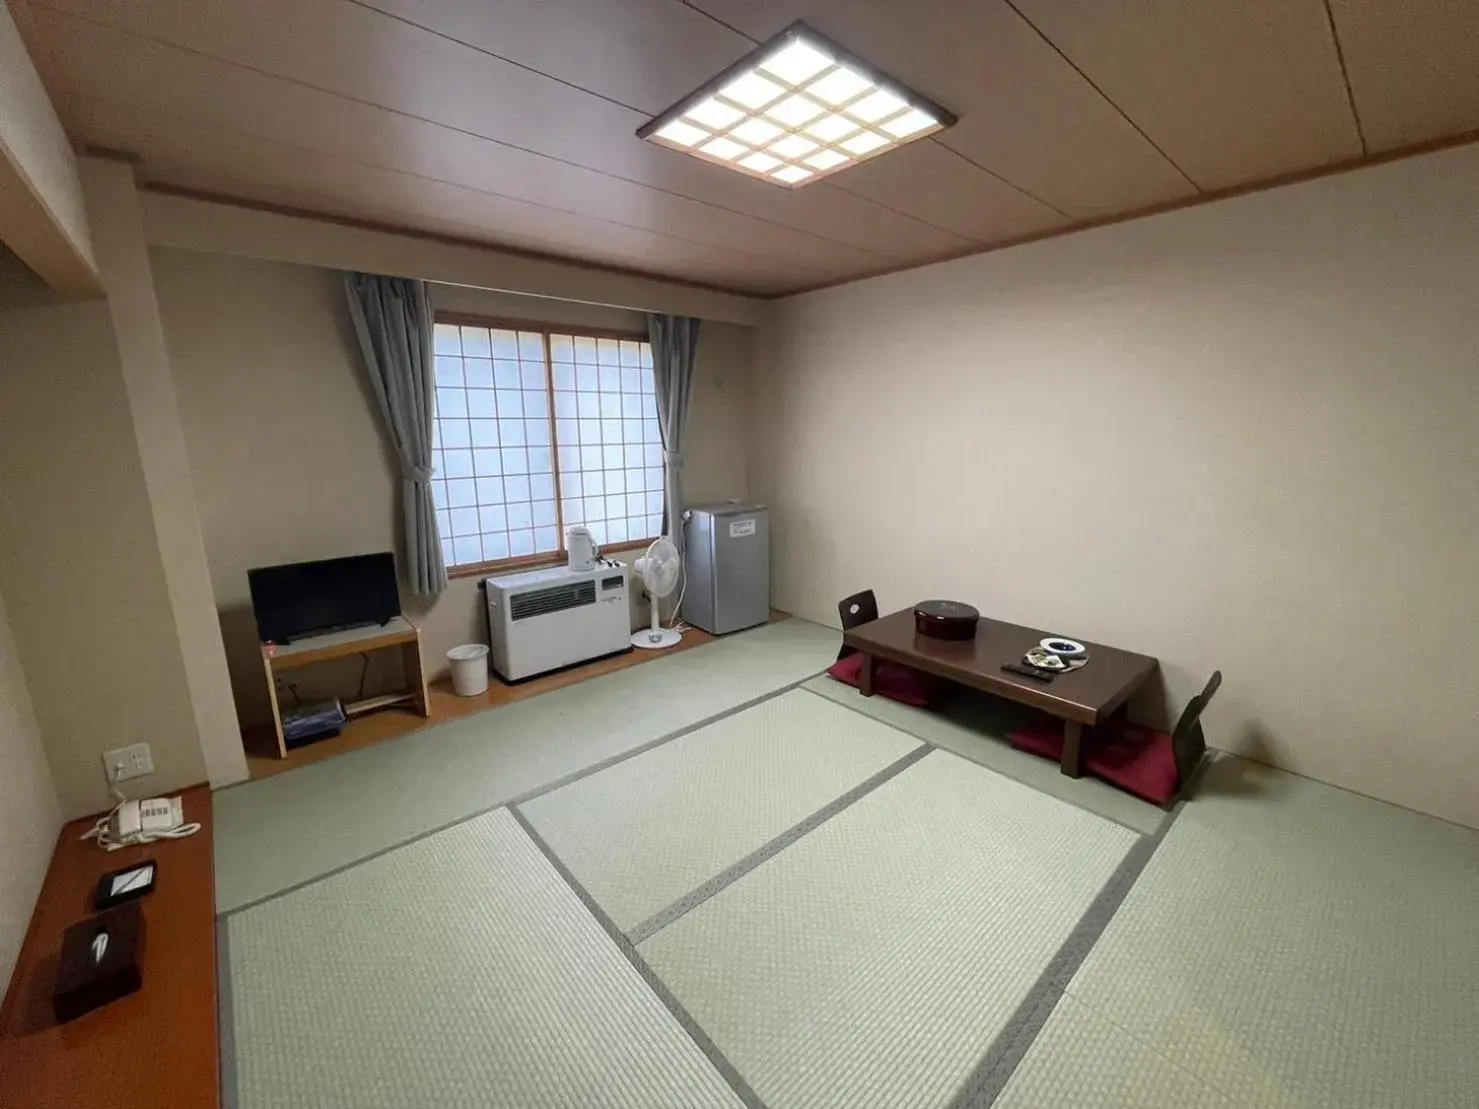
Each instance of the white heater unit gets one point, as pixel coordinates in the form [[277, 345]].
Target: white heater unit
[[545, 619]]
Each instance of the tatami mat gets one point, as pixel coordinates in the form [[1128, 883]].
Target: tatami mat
[[874, 961], [975, 727], [1291, 944], [1082, 1061], [641, 834], [460, 970], [279, 832]]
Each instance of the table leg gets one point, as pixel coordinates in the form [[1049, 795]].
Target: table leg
[[1073, 751], [865, 675]]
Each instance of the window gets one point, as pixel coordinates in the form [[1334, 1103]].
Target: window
[[538, 429]]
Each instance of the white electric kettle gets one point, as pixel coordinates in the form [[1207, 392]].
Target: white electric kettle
[[582, 548]]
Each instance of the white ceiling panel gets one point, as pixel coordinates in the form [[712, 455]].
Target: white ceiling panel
[[1413, 67], [645, 54], [239, 166], [1231, 92], [513, 121], [1025, 113], [341, 47], [104, 64], [934, 183]]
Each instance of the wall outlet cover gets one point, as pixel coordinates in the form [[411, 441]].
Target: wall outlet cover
[[133, 761]]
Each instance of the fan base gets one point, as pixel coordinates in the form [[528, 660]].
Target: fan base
[[650, 640]]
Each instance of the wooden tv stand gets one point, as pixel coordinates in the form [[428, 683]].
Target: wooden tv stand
[[399, 634]]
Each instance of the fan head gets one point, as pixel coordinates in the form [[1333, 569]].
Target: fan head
[[659, 567]]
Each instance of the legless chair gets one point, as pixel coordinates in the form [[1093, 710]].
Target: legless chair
[[860, 608]]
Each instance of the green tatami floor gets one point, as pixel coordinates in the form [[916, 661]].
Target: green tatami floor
[[713, 881]]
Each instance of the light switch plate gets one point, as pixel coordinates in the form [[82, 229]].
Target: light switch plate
[[134, 761]]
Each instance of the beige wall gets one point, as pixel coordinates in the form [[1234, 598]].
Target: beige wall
[[1242, 436], [286, 451], [79, 562], [123, 263], [216, 228], [29, 814]]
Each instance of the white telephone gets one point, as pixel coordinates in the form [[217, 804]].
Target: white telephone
[[148, 817], [135, 822]]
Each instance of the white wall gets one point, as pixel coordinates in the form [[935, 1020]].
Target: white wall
[[1242, 436], [286, 451], [29, 814]]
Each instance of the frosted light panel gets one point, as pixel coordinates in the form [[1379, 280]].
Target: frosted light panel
[[795, 111]]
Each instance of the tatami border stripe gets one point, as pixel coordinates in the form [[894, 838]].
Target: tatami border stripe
[[528, 795], [607, 763], [654, 983], [1011, 1045], [733, 873], [226, 1017], [956, 754]]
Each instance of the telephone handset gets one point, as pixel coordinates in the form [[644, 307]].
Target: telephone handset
[[151, 816], [135, 822]]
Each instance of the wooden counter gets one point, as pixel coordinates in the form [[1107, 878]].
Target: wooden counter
[[158, 1046]]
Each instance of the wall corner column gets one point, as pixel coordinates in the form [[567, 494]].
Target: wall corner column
[[123, 262]]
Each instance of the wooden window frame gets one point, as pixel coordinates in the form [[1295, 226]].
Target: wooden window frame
[[545, 330]]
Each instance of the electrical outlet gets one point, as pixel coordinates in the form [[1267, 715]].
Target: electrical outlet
[[129, 762]]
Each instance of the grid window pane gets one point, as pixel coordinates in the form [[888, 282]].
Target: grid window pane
[[466, 550], [492, 403], [449, 371], [455, 433], [475, 342], [478, 373], [512, 405], [601, 423]]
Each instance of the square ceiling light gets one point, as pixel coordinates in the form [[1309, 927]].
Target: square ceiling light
[[797, 109]]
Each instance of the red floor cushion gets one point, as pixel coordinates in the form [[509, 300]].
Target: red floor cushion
[[1137, 760], [899, 683]]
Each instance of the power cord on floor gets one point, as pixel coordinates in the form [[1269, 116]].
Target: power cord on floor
[[675, 624]]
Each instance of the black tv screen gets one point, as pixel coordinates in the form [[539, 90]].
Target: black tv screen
[[306, 598]]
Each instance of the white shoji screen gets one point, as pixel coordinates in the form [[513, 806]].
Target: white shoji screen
[[610, 450], [492, 454]]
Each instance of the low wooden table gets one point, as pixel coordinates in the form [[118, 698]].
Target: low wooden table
[[158, 1046], [1088, 695]]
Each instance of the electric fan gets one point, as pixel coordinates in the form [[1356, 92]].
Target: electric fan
[[659, 569]]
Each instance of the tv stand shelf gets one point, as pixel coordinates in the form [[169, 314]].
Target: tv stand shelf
[[398, 634]]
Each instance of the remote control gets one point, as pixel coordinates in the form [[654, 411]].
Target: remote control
[[1028, 672]]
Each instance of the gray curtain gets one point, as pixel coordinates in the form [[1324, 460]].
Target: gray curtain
[[393, 321], [674, 342]]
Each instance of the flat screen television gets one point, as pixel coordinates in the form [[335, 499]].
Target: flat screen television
[[307, 598]]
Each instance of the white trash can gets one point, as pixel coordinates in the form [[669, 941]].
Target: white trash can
[[469, 669]]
